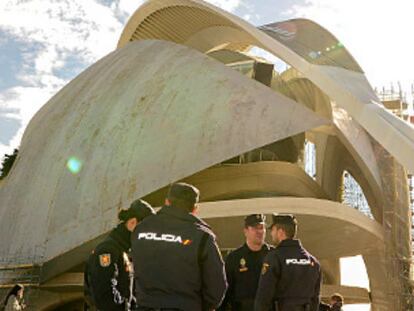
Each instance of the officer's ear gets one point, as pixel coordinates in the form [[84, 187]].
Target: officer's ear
[[167, 202], [195, 210], [131, 224]]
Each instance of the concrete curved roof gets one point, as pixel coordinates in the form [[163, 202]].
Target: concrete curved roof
[[356, 140], [122, 118], [279, 178], [306, 46], [257, 179], [318, 219]]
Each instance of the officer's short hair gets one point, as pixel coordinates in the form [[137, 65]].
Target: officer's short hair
[[337, 298], [287, 222], [184, 196], [138, 209], [254, 220]]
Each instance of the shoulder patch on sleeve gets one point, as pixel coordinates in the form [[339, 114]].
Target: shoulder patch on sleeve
[[105, 260]]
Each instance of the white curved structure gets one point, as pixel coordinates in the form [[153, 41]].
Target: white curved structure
[[172, 105], [205, 27], [104, 127]]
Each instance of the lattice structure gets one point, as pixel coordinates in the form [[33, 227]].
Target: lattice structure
[[310, 159], [394, 100], [411, 189], [24, 269], [353, 195]]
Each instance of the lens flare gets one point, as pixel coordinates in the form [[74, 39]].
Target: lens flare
[[74, 165]]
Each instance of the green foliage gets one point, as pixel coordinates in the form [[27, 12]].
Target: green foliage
[[7, 163]]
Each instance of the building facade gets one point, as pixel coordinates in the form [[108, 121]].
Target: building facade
[[182, 99]]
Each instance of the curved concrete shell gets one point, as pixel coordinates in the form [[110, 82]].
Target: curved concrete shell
[[145, 108], [257, 179], [165, 107], [319, 221], [349, 133], [306, 46]]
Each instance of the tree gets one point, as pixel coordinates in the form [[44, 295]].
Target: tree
[[7, 163]]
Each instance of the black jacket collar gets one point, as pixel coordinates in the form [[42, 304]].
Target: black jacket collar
[[264, 247], [290, 243], [122, 236], [181, 214]]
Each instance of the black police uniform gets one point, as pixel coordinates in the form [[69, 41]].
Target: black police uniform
[[337, 306], [243, 268], [108, 273], [324, 307], [177, 263], [290, 279]]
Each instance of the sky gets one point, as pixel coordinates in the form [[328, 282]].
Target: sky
[[46, 43]]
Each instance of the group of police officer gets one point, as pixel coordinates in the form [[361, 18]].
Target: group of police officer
[[170, 260]]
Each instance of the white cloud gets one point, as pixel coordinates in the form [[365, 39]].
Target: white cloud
[[377, 33], [129, 6], [56, 31], [227, 5], [22, 102], [247, 17]]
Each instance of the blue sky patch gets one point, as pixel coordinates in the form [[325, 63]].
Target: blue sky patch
[[16, 60]]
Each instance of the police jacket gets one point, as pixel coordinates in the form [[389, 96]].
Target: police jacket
[[108, 272], [177, 262], [243, 268], [336, 307], [290, 278], [324, 307]]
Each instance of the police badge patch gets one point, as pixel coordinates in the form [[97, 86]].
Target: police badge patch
[[265, 267], [243, 267], [105, 260]]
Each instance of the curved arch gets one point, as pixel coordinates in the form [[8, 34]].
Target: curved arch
[[361, 159], [336, 158], [305, 92], [123, 118], [339, 76], [258, 179], [255, 179], [318, 218], [196, 24]]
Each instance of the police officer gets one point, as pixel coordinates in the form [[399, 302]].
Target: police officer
[[337, 301], [177, 262], [108, 272], [324, 307], [244, 264], [291, 276]]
